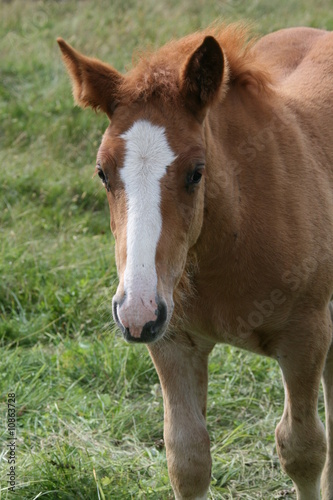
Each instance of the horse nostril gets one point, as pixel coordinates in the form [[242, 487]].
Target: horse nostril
[[162, 313], [115, 305], [152, 329]]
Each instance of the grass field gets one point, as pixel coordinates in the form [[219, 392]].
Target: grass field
[[89, 415]]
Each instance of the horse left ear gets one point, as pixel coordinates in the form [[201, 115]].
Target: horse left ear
[[202, 76]]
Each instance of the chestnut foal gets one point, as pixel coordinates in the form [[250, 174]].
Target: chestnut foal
[[218, 168]]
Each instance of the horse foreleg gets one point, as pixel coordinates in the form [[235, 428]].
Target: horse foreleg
[[327, 477], [181, 364], [300, 435]]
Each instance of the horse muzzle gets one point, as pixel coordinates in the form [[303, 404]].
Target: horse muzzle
[[139, 321]]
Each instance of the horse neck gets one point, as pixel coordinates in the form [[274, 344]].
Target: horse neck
[[241, 133]]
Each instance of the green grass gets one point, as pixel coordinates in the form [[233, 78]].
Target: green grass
[[89, 408]]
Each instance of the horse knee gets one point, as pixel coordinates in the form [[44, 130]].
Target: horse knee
[[189, 462], [302, 450]]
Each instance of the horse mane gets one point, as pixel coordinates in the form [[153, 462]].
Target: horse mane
[[158, 73]]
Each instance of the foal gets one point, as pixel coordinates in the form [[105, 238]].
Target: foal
[[217, 165]]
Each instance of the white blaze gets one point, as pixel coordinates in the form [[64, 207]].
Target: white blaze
[[147, 156]]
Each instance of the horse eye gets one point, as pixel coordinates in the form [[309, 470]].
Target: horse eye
[[103, 177], [195, 176]]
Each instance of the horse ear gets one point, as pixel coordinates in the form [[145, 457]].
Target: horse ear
[[95, 83], [202, 76]]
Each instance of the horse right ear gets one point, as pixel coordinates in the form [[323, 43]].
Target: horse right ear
[[94, 83], [202, 76]]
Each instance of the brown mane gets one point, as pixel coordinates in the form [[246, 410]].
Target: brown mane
[[158, 73]]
